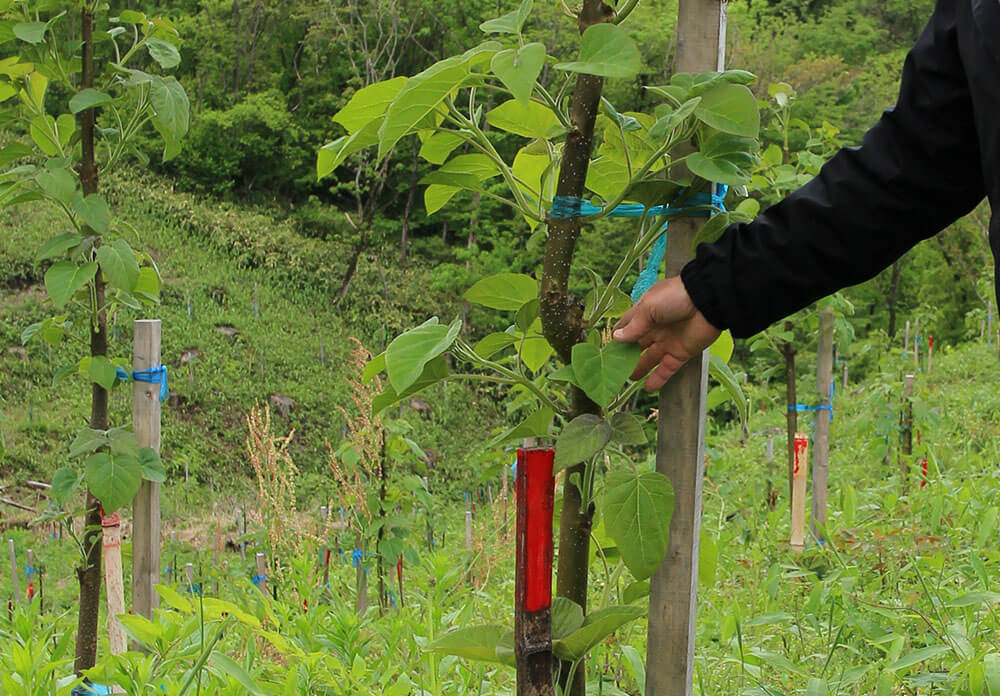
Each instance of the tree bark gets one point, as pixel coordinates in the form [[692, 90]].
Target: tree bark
[[562, 325], [792, 416], [89, 574]]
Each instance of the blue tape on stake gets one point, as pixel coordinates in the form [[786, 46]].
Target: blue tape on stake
[[258, 580], [820, 407], [29, 571], [357, 557], [707, 204], [154, 375]]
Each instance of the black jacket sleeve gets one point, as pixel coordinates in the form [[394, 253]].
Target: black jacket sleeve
[[916, 171]]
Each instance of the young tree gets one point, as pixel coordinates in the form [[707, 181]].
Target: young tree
[[62, 71]]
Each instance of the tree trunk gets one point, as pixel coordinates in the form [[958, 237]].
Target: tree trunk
[[562, 324], [893, 290], [352, 267], [382, 475], [792, 416], [89, 574]]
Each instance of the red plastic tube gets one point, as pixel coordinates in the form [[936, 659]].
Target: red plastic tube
[[534, 487]]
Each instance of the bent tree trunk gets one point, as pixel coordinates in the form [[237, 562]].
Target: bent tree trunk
[[89, 574], [562, 324], [791, 415]]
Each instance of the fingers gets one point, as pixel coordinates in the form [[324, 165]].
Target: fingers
[[668, 367], [634, 324]]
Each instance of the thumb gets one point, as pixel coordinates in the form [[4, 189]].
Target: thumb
[[634, 324]]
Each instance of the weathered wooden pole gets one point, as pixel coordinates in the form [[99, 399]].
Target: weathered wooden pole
[[13, 571], [701, 31], [146, 505], [798, 534], [906, 432], [468, 523], [843, 371], [535, 490], [361, 575], [824, 414], [906, 338], [114, 582]]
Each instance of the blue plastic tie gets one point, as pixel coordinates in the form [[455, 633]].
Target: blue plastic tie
[[195, 589], [154, 375], [357, 557], [820, 407], [565, 207], [258, 580], [29, 571]]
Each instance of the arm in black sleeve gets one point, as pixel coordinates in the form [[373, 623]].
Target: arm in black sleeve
[[916, 172]]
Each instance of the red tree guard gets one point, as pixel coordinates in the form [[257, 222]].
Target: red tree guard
[[535, 491]]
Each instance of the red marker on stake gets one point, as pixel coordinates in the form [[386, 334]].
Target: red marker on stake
[[799, 471], [923, 470], [534, 485]]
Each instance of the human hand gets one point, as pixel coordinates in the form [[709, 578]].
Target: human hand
[[669, 329]]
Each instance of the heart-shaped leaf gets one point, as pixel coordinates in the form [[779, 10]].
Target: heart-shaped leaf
[[637, 510], [119, 265], [509, 23], [63, 279], [407, 355], [88, 99], [114, 480], [94, 212], [606, 50], [581, 439], [504, 291], [597, 626], [602, 372], [730, 108], [368, 104], [519, 68], [530, 120]]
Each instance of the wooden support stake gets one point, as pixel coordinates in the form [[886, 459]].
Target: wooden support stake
[[241, 521], [29, 572], [916, 351], [13, 571], [361, 576], [468, 524], [399, 578], [906, 338], [114, 582], [146, 506], [535, 489], [261, 561], [772, 496], [821, 453], [681, 430], [799, 491], [843, 371]]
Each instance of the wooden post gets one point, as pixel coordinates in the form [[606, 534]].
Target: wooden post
[[821, 453], [189, 576], [916, 351], [146, 506], [114, 582], [772, 497], [261, 583], [906, 338], [799, 491], [701, 27], [13, 571], [399, 578], [843, 371], [906, 432], [535, 489], [241, 521]]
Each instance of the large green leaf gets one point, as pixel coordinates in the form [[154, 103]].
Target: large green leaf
[[535, 425], [222, 665], [64, 483], [731, 109], [437, 148], [368, 104], [94, 212], [530, 120], [163, 52], [606, 50], [435, 371], [567, 616], [597, 626], [63, 279], [494, 342], [533, 348], [505, 291], [637, 509], [602, 372], [461, 172], [420, 97], [171, 113], [88, 99], [101, 371], [509, 23], [58, 245], [581, 439], [119, 265], [30, 32], [473, 643], [724, 159], [607, 176], [57, 183], [627, 429], [519, 68], [408, 353], [333, 154], [668, 122], [114, 480]]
